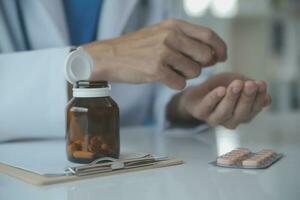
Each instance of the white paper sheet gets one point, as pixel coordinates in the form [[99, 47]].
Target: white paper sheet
[[42, 157]]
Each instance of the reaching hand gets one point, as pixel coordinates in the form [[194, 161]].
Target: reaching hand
[[169, 52]]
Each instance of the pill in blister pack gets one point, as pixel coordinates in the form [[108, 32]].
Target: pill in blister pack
[[245, 159]]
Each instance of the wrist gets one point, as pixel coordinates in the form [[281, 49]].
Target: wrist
[[102, 55], [182, 109], [177, 112]]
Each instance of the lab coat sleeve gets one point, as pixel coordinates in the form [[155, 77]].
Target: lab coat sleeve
[[164, 95], [33, 94]]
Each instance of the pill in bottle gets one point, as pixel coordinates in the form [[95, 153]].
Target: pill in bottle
[[92, 129]]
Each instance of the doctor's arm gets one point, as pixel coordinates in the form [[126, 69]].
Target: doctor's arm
[[33, 93]]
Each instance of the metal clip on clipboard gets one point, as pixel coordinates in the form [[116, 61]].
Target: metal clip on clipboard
[[108, 164]]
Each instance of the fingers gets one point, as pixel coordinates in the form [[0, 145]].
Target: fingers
[[268, 100], [186, 48], [172, 79], [186, 66], [260, 99], [247, 99], [244, 107], [238, 103], [225, 109], [208, 103], [230, 105], [193, 49], [206, 36]]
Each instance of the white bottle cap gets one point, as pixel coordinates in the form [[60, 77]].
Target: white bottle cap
[[78, 66], [91, 92]]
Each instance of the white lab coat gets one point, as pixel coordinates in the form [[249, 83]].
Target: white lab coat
[[32, 84]]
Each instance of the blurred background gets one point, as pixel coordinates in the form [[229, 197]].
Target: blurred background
[[263, 38]]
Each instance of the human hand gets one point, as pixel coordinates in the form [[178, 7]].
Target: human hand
[[169, 52], [225, 99]]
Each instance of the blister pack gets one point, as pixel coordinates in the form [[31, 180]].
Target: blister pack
[[243, 158]]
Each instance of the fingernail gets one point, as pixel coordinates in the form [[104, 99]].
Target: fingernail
[[236, 90], [250, 91], [261, 86], [221, 93]]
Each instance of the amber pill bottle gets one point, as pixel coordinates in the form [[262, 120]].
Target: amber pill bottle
[[92, 129]]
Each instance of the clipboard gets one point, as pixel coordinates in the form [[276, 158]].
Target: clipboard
[[37, 179], [44, 163]]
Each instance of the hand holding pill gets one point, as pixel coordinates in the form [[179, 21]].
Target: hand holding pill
[[169, 52]]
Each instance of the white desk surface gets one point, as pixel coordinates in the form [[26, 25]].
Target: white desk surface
[[196, 179]]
